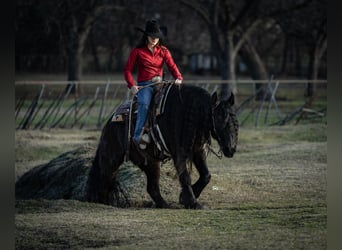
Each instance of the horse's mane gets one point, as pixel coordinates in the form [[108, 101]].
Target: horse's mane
[[194, 119]]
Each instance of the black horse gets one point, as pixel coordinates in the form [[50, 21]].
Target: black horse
[[190, 118]]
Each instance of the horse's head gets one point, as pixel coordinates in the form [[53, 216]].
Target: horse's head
[[225, 125]]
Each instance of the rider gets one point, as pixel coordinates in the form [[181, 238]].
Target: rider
[[149, 56]]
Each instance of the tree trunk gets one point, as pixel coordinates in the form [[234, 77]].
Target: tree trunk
[[310, 86], [73, 74], [298, 58], [222, 58], [256, 68], [77, 39], [232, 63], [82, 38], [284, 57], [228, 69], [316, 53], [97, 66]]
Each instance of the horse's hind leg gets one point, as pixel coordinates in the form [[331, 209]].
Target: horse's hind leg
[[202, 168], [152, 171]]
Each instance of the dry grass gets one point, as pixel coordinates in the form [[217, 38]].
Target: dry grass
[[270, 195]]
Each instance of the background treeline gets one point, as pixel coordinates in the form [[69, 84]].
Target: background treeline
[[225, 38]]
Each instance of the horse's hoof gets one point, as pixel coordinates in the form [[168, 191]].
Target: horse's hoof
[[197, 206], [194, 205], [163, 205]]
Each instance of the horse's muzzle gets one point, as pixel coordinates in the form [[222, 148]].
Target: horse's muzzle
[[229, 152]]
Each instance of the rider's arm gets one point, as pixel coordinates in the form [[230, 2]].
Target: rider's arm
[[171, 65], [129, 68]]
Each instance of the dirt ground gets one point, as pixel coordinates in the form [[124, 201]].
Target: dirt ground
[[270, 195]]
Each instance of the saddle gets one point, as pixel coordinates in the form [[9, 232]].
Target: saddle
[[124, 114]]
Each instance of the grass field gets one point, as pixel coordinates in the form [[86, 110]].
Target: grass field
[[270, 195]]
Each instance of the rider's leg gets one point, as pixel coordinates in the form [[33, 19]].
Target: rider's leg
[[144, 98]]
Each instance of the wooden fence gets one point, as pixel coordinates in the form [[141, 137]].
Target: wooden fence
[[88, 104]]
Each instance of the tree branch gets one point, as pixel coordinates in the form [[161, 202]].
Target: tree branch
[[244, 12], [245, 35], [289, 9], [199, 9]]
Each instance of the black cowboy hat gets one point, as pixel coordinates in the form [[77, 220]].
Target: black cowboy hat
[[152, 29]]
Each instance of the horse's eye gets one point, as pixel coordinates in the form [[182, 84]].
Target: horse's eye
[[226, 119]]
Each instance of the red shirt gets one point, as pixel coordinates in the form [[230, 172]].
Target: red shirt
[[149, 64]]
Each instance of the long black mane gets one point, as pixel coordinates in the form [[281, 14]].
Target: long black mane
[[186, 120]]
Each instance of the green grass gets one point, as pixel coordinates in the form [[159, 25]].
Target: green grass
[[270, 195], [71, 224]]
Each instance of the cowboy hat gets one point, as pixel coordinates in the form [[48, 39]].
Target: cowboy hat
[[152, 29]]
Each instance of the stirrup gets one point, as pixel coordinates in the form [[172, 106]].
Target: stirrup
[[145, 138], [140, 145]]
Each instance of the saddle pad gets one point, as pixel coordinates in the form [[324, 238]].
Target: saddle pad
[[121, 112]]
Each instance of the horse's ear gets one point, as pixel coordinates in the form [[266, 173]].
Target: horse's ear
[[214, 99], [231, 99]]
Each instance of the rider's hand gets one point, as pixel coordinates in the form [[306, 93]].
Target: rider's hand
[[134, 89], [178, 81]]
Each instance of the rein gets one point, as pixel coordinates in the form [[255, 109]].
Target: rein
[[155, 81], [163, 82], [213, 130], [218, 154]]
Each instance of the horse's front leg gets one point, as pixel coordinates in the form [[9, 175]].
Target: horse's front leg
[[152, 171], [202, 168], [186, 197]]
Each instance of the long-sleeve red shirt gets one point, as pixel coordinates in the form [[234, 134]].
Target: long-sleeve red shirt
[[149, 64]]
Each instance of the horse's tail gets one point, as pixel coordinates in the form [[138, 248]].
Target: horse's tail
[[93, 180], [102, 186], [99, 189]]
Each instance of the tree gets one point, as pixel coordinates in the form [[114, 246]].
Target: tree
[[230, 24], [71, 21], [37, 38], [78, 17], [233, 24], [308, 26]]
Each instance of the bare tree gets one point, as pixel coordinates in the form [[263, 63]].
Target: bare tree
[[305, 23], [79, 17], [71, 21], [223, 19]]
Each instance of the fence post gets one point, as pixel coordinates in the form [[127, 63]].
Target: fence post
[[102, 105], [90, 107], [59, 105], [33, 107]]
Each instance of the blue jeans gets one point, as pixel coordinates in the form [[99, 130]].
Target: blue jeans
[[144, 99]]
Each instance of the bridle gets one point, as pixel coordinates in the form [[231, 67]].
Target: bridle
[[219, 152], [229, 115]]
